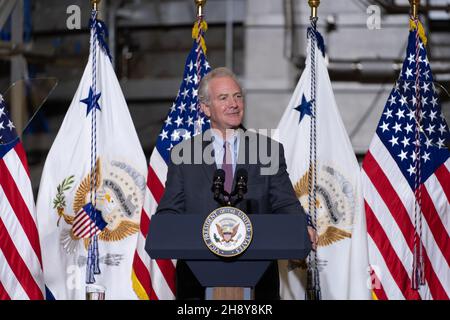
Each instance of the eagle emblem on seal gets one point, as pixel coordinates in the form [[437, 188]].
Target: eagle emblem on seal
[[120, 190], [335, 204], [227, 232]]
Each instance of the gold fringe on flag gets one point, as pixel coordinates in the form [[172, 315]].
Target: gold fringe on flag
[[412, 26], [374, 296], [196, 32], [138, 288]]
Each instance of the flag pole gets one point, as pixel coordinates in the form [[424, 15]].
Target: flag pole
[[200, 4], [92, 264], [418, 267], [197, 33], [314, 4], [313, 291], [415, 5]]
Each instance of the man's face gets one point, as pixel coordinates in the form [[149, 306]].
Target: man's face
[[226, 106]]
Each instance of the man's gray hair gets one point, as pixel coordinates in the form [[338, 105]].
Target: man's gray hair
[[203, 93]]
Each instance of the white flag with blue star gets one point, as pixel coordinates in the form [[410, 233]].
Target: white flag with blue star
[[74, 207], [342, 246]]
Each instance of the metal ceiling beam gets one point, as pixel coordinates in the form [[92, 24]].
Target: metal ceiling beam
[[374, 70], [391, 7]]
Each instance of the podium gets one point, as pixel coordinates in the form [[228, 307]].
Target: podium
[[275, 236]]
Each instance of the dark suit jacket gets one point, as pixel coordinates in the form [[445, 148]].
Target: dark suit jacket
[[188, 190]]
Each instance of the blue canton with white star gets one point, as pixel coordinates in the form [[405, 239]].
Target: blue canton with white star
[[396, 128], [91, 101], [304, 108], [185, 118], [8, 134]]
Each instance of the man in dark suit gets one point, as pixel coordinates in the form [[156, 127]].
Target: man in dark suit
[[228, 146]]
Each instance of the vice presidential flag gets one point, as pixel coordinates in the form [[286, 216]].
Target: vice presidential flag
[[92, 187], [407, 187], [21, 275], [155, 279], [342, 246]]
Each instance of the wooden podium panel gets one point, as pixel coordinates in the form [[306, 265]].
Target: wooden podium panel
[[228, 293]]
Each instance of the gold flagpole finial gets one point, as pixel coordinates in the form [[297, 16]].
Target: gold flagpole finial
[[415, 4], [314, 4], [200, 4], [94, 4]]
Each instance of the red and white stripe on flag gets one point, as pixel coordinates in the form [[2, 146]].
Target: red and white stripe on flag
[[20, 253], [389, 203], [152, 279], [155, 279], [406, 184]]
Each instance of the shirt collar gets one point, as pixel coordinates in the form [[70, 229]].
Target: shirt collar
[[217, 137]]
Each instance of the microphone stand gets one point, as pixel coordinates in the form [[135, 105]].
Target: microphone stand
[[238, 195]]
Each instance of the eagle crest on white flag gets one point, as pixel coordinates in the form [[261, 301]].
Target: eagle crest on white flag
[[65, 214], [342, 245]]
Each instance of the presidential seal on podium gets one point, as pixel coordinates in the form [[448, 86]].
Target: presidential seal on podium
[[227, 232]]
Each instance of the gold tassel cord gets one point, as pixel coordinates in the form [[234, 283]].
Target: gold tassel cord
[[196, 32], [412, 26]]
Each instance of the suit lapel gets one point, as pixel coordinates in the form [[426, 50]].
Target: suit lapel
[[208, 169]]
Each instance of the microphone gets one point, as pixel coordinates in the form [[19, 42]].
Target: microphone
[[241, 182], [218, 181]]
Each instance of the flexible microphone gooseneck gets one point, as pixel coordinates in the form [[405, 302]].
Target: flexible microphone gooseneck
[[218, 183], [241, 183]]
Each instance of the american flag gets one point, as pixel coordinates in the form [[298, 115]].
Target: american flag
[[397, 170], [20, 252], [155, 279]]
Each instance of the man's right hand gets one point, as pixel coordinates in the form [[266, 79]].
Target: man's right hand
[[314, 237]]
